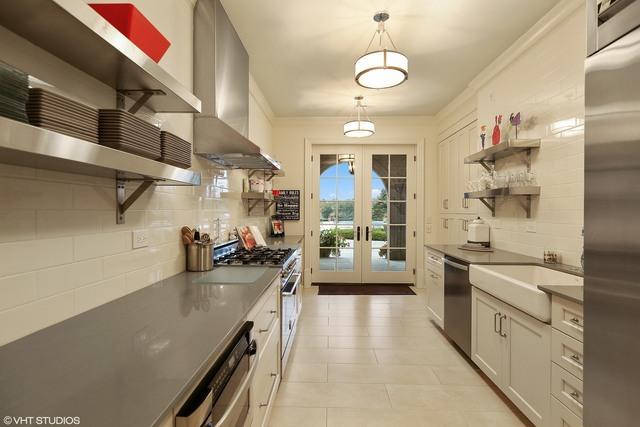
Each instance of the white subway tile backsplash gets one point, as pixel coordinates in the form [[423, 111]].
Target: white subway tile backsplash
[[102, 244], [28, 318], [20, 257], [17, 225], [142, 278], [545, 83], [66, 223], [126, 262], [94, 197], [18, 193], [91, 296], [57, 280], [17, 290]]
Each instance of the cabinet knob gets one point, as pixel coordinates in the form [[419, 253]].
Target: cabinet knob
[[575, 320], [576, 358]]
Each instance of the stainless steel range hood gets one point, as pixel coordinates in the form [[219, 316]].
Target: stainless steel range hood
[[221, 81]]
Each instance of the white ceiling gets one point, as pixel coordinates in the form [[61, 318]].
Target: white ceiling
[[302, 51]]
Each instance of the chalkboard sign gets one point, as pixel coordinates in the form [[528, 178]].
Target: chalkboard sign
[[288, 205]]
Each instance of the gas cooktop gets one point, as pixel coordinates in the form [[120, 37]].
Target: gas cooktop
[[257, 256]]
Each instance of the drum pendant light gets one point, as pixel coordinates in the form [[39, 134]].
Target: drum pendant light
[[382, 68], [359, 127]]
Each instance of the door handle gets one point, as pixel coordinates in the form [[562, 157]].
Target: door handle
[[366, 233], [358, 233], [502, 334], [495, 323]]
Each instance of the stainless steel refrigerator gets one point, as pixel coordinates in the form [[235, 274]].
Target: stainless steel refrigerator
[[612, 215]]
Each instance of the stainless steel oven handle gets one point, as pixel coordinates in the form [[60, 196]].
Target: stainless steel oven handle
[[456, 265], [199, 415], [295, 286], [241, 391]]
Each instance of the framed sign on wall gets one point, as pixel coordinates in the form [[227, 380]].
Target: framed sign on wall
[[288, 204]]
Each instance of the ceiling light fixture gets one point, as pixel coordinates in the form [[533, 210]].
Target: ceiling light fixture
[[360, 127], [382, 68]]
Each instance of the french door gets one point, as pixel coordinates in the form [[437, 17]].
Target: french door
[[363, 214]]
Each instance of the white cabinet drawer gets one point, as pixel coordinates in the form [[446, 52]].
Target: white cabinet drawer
[[435, 295], [265, 382], [561, 416], [567, 316], [567, 352], [567, 389], [264, 316], [433, 260]]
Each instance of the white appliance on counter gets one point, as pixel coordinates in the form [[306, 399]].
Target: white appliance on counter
[[478, 233]]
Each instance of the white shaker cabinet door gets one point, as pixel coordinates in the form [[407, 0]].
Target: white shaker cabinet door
[[527, 365], [486, 342]]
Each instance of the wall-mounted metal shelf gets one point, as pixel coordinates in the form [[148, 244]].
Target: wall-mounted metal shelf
[[75, 33], [255, 198], [25, 145], [488, 197], [502, 150], [268, 173]]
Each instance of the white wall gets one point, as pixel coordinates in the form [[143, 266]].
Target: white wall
[[542, 76], [61, 252]]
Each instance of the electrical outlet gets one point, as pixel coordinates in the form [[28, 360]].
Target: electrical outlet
[[532, 228], [140, 239], [429, 228]]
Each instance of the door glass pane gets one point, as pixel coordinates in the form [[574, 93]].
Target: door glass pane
[[327, 259], [379, 259], [397, 259], [380, 165], [397, 236], [379, 189], [379, 246], [398, 189], [379, 212], [328, 214], [398, 213], [398, 165], [345, 213], [337, 195], [328, 189], [345, 260], [328, 165], [345, 165], [346, 189]]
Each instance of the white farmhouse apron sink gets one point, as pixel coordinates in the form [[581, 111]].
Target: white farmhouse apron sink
[[517, 285]]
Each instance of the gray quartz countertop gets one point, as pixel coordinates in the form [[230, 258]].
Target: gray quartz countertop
[[127, 363], [500, 257], [573, 293]]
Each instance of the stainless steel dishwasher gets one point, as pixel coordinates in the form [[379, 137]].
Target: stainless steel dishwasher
[[457, 303]]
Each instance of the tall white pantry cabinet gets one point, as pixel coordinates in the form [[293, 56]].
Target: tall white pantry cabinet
[[453, 175]]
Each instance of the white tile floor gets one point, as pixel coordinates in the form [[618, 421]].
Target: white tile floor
[[377, 361]]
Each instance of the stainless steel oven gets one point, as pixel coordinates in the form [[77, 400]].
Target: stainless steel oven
[[291, 293], [222, 398]]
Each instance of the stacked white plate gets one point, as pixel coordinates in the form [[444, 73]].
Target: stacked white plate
[[175, 150], [63, 115], [14, 93], [122, 130]]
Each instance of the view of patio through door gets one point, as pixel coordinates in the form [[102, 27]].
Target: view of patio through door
[[364, 214]]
